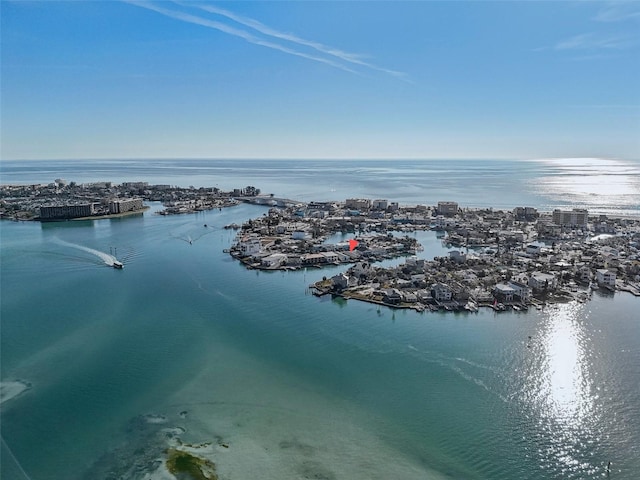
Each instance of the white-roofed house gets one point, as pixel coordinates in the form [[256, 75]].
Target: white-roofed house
[[540, 281], [606, 278], [504, 292]]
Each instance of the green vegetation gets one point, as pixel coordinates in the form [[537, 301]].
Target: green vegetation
[[185, 465]]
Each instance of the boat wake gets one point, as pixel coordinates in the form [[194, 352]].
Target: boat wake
[[109, 260], [190, 234]]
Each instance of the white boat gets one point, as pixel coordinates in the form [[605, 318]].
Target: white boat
[[117, 264]]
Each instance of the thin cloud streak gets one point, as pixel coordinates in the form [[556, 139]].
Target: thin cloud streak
[[266, 30], [619, 11], [186, 17], [591, 41], [613, 106]]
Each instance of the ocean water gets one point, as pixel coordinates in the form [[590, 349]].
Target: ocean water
[[601, 185], [185, 342]]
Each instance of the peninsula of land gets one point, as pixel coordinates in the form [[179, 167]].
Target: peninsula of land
[[62, 200], [504, 259]]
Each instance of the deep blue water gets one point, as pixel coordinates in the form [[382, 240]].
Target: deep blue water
[[293, 384]]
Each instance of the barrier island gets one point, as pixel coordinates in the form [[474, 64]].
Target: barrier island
[[502, 259]]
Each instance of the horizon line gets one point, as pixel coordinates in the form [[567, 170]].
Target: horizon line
[[305, 159]]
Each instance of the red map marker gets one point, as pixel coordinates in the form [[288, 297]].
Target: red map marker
[[352, 244]]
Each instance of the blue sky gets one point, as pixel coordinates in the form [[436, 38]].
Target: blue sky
[[164, 79]]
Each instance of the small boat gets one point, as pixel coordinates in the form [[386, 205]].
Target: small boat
[[118, 265], [472, 307]]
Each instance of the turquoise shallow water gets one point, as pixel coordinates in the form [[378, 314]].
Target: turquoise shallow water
[[295, 385]]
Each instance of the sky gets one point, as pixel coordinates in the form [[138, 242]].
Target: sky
[[328, 79]]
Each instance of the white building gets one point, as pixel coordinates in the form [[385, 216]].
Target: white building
[[125, 205], [274, 260], [521, 290], [249, 245], [606, 278], [540, 281], [504, 292]]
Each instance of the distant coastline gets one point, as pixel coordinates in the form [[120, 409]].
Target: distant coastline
[[62, 200]]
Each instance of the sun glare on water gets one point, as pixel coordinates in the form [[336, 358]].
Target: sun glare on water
[[590, 182], [564, 394]]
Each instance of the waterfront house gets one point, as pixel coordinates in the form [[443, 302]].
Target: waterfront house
[[410, 297], [313, 259], [330, 257], [459, 292], [441, 292], [293, 260], [274, 260], [503, 292], [540, 281], [249, 245], [339, 282], [392, 296], [521, 291], [606, 278], [424, 296]]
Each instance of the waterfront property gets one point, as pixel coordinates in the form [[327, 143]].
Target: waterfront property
[[578, 217], [62, 200], [122, 205], [66, 211], [504, 259]]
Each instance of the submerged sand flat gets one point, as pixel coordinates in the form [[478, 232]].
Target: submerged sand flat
[[12, 389], [261, 423]]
